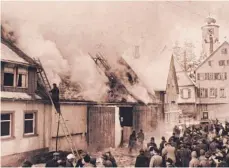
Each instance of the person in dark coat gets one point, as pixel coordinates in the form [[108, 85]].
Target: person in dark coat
[[184, 155], [152, 143], [162, 144], [132, 141], [112, 159], [53, 162], [55, 97], [142, 160], [106, 161], [55, 93], [27, 163], [203, 145]]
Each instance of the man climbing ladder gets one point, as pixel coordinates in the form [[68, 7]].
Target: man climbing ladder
[[55, 97]]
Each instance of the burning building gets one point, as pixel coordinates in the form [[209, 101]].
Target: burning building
[[28, 118]]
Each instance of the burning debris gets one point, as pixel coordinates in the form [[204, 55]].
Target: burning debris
[[69, 90], [105, 82], [7, 32], [118, 91]]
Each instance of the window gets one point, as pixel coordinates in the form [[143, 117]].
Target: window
[[8, 76], [6, 125], [15, 76], [222, 63], [211, 76], [205, 115], [224, 51], [185, 93], [29, 123], [213, 92], [222, 93], [228, 62], [210, 63], [203, 92], [22, 78]]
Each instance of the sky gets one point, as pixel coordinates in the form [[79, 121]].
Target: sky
[[62, 33], [126, 23]]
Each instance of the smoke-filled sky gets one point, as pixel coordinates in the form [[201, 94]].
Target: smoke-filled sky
[[62, 33]]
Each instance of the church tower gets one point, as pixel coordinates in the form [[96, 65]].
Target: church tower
[[210, 37]]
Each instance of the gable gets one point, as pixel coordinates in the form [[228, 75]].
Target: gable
[[216, 55], [172, 77], [19, 52], [182, 77], [7, 55], [160, 68]]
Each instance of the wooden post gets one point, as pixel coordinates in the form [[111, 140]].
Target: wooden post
[[57, 134]]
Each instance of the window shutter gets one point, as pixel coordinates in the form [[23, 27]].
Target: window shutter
[[198, 92], [225, 75], [215, 92], [181, 91], [215, 76], [206, 92], [189, 93]]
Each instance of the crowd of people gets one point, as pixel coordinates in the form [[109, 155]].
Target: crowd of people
[[203, 145]]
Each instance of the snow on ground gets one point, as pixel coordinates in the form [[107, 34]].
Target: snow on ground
[[123, 158]]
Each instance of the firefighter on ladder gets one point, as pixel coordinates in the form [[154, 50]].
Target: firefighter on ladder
[[55, 97]]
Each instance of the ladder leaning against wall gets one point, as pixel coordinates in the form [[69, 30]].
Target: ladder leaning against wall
[[61, 121]]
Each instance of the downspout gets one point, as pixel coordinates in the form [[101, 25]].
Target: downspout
[[163, 105]]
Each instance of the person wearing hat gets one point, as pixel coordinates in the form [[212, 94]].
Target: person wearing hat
[[183, 155], [27, 163], [106, 161], [112, 159], [152, 143], [54, 161], [70, 160], [156, 160], [87, 161], [142, 160], [162, 144]]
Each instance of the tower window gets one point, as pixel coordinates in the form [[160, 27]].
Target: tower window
[[224, 51], [221, 62]]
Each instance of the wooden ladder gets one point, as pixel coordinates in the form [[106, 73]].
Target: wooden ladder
[[43, 78]]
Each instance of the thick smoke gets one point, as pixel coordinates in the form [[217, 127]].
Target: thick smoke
[[62, 40]]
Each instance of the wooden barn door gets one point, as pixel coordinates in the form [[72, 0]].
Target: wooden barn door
[[101, 127], [145, 118]]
